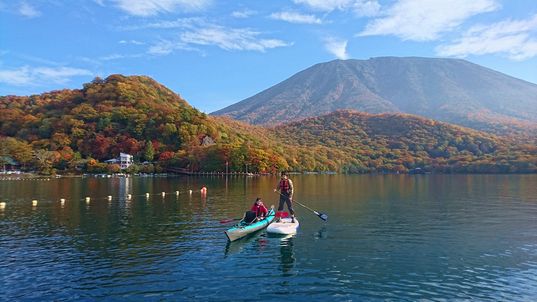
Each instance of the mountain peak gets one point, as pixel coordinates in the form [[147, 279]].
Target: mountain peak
[[451, 90], [133, 89]]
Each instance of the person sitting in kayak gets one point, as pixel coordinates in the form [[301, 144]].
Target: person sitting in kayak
[[259, 208]]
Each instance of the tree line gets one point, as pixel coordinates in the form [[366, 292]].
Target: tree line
[[77, 130]]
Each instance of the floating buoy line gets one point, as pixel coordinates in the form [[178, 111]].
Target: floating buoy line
[[28, 178], [127, 197]]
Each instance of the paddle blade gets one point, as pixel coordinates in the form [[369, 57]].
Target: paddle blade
[[229, 220], [321, 215]]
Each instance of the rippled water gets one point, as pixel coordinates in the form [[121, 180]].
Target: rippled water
[[394, 237]]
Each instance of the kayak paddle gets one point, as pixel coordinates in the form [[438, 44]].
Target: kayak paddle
[[229, 220], [323, 216]]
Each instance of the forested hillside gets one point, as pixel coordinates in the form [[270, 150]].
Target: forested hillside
[[77, 130], [398, 142], [71, 129]]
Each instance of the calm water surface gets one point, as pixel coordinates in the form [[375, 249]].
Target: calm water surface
[[394, 237]]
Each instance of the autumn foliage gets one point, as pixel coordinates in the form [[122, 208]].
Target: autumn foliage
[[360, 143], [76, 130], [134, 115]]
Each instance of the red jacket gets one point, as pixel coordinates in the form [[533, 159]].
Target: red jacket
[[260, 210]]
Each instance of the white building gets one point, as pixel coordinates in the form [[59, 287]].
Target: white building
[[125, 160]]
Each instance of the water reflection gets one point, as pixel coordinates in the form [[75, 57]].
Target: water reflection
[[238, 246], [453, 237], [322, 233], [287, 255]]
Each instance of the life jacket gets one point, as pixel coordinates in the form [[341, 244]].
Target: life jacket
[[284, 186], [260, 210]]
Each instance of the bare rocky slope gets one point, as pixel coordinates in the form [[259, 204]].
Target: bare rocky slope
[[450, 90]]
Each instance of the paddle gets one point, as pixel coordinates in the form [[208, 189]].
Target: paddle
[[324, 217], [229, 220]]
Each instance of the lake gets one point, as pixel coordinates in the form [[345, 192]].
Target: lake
[[388, 237]]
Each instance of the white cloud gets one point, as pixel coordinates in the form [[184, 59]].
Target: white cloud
[[294, 17], [134, 42], [425, 20], [26, 75], [178, 23], [360, 7], [38, 60], [59, 74], [230, 38], [165, 47], [145, 8], [243, 14], [28, 11], [196, 32], [325, 5], [162, 48], [366, 8], [20, 76], [515, 39], [116, 56], [337, 47]]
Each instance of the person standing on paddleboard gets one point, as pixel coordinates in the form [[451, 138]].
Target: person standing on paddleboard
[[285, 187]]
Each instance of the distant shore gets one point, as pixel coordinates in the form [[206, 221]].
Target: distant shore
[[30, 176]]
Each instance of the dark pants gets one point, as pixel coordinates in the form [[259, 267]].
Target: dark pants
[[284, 198]]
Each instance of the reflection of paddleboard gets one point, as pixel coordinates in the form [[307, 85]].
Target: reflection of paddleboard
[[284, 226]]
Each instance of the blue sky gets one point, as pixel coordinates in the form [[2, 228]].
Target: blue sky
[[215, 53]]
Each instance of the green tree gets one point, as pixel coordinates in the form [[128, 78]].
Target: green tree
[[149, 151], [44, 160], [113, 168]]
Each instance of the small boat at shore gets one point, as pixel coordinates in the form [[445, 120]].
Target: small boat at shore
[[244, 228]]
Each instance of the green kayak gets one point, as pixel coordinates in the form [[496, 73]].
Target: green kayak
[[243, 228]]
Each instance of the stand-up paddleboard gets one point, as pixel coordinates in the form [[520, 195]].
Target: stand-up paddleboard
[[284, 226]]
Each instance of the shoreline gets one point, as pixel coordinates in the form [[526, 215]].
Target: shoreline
[[33, 176]]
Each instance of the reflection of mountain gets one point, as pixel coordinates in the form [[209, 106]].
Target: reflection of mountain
[[287, 257]]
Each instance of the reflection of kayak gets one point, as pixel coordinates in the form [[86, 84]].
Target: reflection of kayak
[[284, 226], [243, 228]]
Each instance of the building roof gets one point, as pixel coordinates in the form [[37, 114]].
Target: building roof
[[8, 160]]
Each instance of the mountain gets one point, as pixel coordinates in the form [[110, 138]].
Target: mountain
[[450, 90], [77, 130], [131, 114], [95, 120], [361, 142]]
